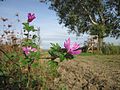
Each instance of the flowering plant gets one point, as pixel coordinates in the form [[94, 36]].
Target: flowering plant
[[31, 17], [27, 50], [31, 51], [74, 50], [29, 47], [67, 52]]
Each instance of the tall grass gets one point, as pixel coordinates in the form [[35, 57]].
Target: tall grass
[[110, 49]]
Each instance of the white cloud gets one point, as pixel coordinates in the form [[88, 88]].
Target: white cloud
[[112, 40]]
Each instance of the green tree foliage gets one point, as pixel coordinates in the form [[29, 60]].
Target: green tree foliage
[[99, 17]]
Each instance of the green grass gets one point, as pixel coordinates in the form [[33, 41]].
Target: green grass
[[87, 54]]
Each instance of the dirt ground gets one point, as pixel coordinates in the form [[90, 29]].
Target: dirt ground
[[96, 72]]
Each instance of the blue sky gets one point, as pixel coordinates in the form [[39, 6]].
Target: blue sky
[[46, 19]]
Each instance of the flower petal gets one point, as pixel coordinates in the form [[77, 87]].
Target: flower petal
[[31, 17], [27, 52], [74, 48], [23, 48], [67, 44], [34, 50], [29, 48]]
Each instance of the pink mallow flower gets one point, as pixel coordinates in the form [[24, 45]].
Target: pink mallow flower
[[74, 50], [34, 50], [27, 50], [31, 17]]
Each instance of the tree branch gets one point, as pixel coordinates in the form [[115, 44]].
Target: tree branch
[[90, 17], [101, 17]]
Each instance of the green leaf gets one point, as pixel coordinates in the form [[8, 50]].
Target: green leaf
[[26, 26], [34, 36], [23, 62], [34, 65], [52, 64], [31, 28], [62, 57]]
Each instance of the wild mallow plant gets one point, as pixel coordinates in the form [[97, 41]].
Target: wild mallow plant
[[65, 53], [32, 53], [29, 47]]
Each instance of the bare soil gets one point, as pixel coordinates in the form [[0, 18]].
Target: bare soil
[[96, 72]]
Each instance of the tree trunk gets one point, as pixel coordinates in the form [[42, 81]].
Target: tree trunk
[[100, 44]]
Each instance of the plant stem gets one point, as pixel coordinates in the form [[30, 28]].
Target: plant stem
[[52, 58]]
